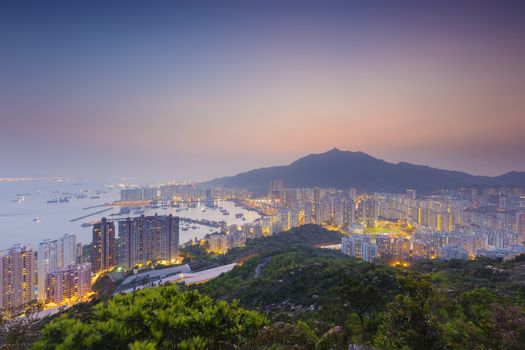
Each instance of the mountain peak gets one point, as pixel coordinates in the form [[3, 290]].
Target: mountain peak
[[343, 169]]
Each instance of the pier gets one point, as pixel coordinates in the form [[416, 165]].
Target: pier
[[88, 215]]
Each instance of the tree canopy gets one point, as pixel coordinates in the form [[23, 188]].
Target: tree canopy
[[158, 318]]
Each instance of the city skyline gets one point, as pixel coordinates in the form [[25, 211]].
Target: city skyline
[[179, 90], [265, 174]]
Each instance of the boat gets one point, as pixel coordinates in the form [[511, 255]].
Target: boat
[[194, 227], [185, 229], [95, 197], [36, 219], [51, 201], [239, 215]]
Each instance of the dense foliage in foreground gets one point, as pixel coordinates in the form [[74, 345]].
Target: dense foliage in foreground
[[158, 318]]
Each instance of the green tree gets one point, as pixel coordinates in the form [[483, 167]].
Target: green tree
[[157, 318], [410, 322], [509, 327]]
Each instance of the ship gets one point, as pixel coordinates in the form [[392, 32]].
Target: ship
[[239, 215]]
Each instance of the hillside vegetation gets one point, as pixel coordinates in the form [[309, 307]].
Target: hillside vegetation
[[287, 294]]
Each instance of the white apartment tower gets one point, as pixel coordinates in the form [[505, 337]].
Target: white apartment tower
[[54, 255]]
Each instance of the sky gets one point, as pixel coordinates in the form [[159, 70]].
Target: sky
[[200, 89]]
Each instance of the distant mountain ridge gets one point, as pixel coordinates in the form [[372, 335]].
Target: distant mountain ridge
[[345, 169]]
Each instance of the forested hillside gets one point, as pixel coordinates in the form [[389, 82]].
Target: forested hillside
[[287, 294]]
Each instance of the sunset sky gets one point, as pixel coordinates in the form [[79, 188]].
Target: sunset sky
[[196, 89]]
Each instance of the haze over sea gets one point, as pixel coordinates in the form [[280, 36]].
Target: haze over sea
[[17, 217]]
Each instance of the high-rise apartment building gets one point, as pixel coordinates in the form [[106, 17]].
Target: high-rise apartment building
[[359, 246], [353, 193], [275, 186], [69, 283], [218, 243], [521, 226], [53, 255], [139, 194], [369, 212], [103, 255], [474, 198], [411, 194], [148, 239], [17, 277]]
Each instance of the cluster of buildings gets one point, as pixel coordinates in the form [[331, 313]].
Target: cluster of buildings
[[233, 236], [170, 193], [56, 271], [141, 240], [61, 273], [449, 225], [137, 194], [148, 239], [465, 223]]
